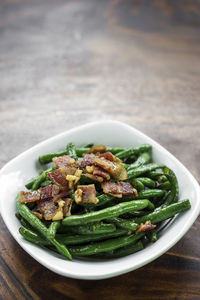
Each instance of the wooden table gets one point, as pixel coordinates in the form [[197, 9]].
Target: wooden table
[[64, 63]]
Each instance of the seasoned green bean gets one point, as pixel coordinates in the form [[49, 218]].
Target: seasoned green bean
[[47, 158], [165, 213], [143, 169], [38, 225], [71, 150], [148, 182], [91, 228], [132, 151], [152, 235], [105, 246], [51, 232], [123, 251], [143, 159], [138, 185], [107, 213], [123, 223], [173, 196]]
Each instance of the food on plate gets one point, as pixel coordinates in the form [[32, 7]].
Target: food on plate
[[99, 201]]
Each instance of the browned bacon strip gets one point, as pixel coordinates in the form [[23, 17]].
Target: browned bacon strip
[[97, 149], [67, 207], [145, 227], [46, 192], [100, 172], [47, 208], [118, 188], [94, 177], [86, 194], [58, 178], [29, 196], [87, 160], [61, 161]]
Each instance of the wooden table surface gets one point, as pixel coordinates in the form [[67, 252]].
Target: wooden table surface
[[64, 63]]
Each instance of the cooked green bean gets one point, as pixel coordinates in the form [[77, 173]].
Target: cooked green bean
[[143, 169], [162, 178], [39, 226], [165, 185], [47, 158], [132, 151], [123, 223], [51, 232], [123, 251], [45, 183], [152, 235], [138, 185], [91, 228], [143, 159], [154, 174], [35, 183], [173, 196], [107, 213], [71, 150], [146, 194], [165, 213], [148, 182], [68, 239], [105, 246]]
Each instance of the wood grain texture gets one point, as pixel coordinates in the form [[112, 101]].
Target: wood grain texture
[[64, 63]]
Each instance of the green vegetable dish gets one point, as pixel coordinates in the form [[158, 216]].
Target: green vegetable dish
[[98, 201]]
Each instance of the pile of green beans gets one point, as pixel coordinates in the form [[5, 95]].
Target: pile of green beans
[[107, 229]]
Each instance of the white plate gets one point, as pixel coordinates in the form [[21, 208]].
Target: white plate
[[18, 171]]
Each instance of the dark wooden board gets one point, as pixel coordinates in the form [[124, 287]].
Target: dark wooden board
[[64, 63]]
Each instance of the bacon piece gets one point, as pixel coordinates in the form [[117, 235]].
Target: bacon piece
[[59, 178], [145, 227], [97, 149], [62, 194], [110, 156], [47, 208], [86, 194], [94, 177], [67, 207], [37, 214], [100, 172], [46, 192], [87, 160], [29, 196], [115, 169], [61, 161], [118, 188]]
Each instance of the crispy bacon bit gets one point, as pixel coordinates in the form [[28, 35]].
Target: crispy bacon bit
[[87, 160], [97, 149], [86, 194], [62, 161], [46, 192], [59, 178], [145, 227], [94, 177], [29, 196], [117, 189], [67, 207], [100, 172], [62, 194], [110, 156], [115, 169], [47, 208], [37, 214]]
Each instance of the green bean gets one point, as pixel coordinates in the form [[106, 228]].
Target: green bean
[[146, 194], [143, 169], [104, 199], [71, 150], [165, 185], [147, 181], [165, 213], [45, 183], [30, 184], [123, 223], [106, 213], [38, 225], [53, 228], [143, 159], [83, 150], [123, 251], [108, 245], [68, 239], [41, 178], [47, 158], [132, 151], [162, 178], [173, 196], [91, 228], [138, 185], [154, 174], [152, 235], [32, 236]]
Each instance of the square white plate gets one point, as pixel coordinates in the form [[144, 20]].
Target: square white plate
[[18, 171]]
